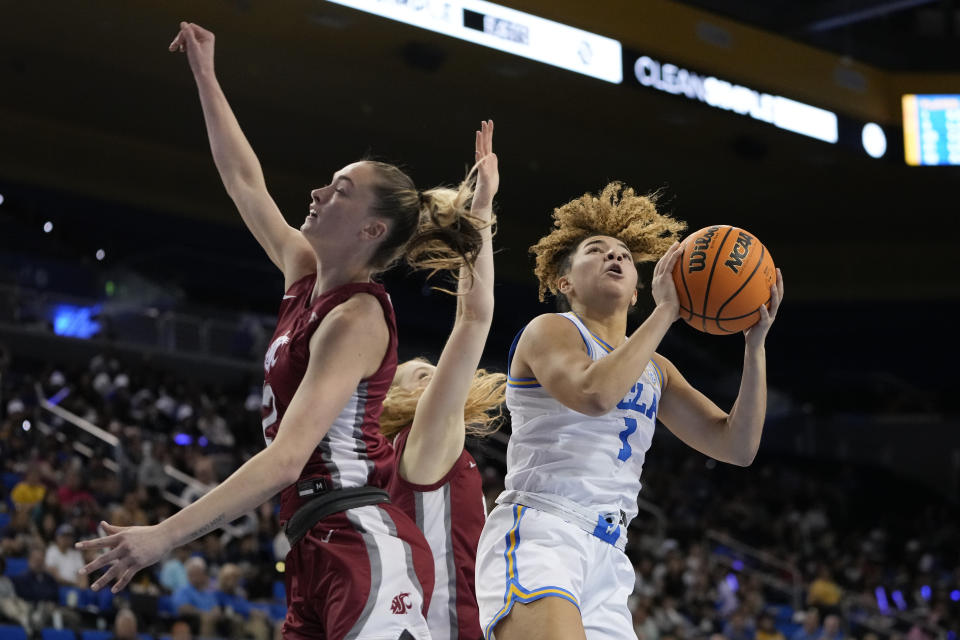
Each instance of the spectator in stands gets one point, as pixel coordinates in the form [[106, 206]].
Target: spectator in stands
[[72, 491], [125, 625], [63, 562], [30, 491], [215, 428], [739, 627], [12, 607], [40, 590], [18, 535], [196, 599], [824, 593], [204, 472], [49, 507], [767, 629], [243, 619], [36, 584], [180, 630], [811, 626], [150, 473], [173, 573], [831, 628], [643, 624], [132, 502], [665, 614]]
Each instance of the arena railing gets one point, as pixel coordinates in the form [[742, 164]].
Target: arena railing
[[240, 337], [235, 529], [112, 442], [768, 568]]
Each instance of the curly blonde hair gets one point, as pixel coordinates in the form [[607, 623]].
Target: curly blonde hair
[[617, 211], [482, 411]]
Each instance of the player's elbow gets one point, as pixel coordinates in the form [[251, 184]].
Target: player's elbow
[[594, 404], [744, 459], [743, 456], [289, 465]]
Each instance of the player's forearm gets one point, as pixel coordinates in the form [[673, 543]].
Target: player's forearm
[[609, 379], [475, 300], [256, 481], [234, 157], [745, 423]]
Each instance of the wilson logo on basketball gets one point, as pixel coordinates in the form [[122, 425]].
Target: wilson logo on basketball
[[698, 256], [401, 604], [739, 252]]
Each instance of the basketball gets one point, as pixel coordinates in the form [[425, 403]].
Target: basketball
[[723, 276]]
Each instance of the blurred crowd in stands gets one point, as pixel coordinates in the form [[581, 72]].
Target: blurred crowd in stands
[[784, 550]]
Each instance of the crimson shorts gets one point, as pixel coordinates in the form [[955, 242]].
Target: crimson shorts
[[365, 573]]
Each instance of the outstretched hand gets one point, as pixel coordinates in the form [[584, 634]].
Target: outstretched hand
[[757, 333], [198, 43], [488, 172], [129, 550]]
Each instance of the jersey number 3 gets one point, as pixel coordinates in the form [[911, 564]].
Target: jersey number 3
[[632, 403]]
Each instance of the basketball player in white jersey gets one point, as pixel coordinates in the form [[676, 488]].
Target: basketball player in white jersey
[[584, 398]]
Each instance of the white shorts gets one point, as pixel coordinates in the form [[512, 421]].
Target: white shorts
[[525, 554]]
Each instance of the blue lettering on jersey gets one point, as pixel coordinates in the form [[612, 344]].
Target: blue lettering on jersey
[[626, 450], [633, 403]]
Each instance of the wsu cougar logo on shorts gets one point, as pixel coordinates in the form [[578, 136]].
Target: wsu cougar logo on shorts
[[400, 604]]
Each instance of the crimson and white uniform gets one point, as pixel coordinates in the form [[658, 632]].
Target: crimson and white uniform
[[366, 572], [450, 513]]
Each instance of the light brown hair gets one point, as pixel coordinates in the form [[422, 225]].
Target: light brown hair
[[617, 211], [430, 229]]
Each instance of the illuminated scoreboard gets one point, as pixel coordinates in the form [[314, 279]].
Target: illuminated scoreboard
[[931, 129], [499, 27]]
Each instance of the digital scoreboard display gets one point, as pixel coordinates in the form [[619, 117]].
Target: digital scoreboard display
[[499, 27], [931, 129]]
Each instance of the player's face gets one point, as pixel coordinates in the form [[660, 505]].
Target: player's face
[[414, 374], [340, 211], [601, 266]]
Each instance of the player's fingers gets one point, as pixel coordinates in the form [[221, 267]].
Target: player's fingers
[[175, 44], [774, 300], [102, 560], [111, 529], [764, 314], [124, 579], [674, 255], [189, 33], [107, 578], [97, 543], [780, 283]]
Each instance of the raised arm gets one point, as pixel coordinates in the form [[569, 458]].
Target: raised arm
[[437, 434], [238, 165], [552, 350], [348, 346], [728, 437]]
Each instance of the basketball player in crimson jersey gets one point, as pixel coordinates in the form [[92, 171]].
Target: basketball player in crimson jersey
[[428, 412], [358, 566]]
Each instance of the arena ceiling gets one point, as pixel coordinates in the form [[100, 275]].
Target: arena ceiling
[[91, 103]]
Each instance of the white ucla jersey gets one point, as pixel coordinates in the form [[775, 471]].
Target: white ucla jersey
[[592, 461]]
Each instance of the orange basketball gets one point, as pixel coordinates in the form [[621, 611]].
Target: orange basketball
[[722, 278]]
